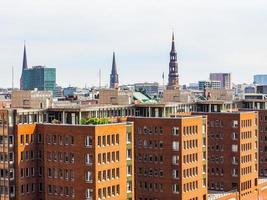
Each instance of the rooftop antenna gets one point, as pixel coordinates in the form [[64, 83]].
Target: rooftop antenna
[[12, 78], [99, 78]]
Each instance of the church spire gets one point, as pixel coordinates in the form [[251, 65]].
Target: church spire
[[173, 67], [24, 64], [114, 77]]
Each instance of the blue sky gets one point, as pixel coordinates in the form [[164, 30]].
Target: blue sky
[[78, 38]]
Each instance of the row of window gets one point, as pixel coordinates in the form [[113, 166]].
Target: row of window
[[148, 186], [189, 158], [188, 187], [108, 192], [246, 135], [67, 157], [150, 130], [246, 170], [216, 171], [189, 144], [27, 172], [150, 158], [150, 172], [107, 140], [27, 188], [247, 158], [67, 174], [60, 190], [60, 140], [105, 158], [190, 130], [108, 174], [246, 185], [6, 157], [150, 143], [30, 138], [216, 147], [190, 172], [246, 147], [30, 155], [246, 123], [216, 159]]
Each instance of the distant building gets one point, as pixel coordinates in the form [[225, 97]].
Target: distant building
[[150, 89], [224, 78], [260, 79], [40, 77], [69, 91], [261, 89], [209, 84], [31, 99], [58, 91]]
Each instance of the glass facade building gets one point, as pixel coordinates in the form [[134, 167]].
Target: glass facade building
[[39, 77], [260, 79]]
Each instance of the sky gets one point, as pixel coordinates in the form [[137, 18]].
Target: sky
[[78, 38]]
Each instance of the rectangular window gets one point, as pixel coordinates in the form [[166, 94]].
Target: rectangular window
[[175, 145], [22, 139], [88, 141], [88, 159], [117, 139]]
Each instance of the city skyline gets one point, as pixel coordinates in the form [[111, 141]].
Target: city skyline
[[229, 36]]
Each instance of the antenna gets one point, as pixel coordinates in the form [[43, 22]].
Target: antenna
[[99, 78], [12, 78]]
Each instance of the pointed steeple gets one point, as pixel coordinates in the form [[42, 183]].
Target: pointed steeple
[[173, 81], [24, 65], [173, 43], [114, 66], [114, 77]]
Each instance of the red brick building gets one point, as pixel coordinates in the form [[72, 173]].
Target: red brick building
[[170, 158]]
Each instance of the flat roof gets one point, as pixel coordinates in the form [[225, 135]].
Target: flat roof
[[213, 194]]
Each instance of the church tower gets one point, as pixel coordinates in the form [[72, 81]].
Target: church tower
[[114, 77], [24, 66], [173, 81]]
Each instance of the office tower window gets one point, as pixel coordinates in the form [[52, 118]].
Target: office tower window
[[175, 173], [89, 193]]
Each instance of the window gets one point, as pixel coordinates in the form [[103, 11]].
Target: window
[[99, 141], [108, 140], [22, 139], [88, 141], [88, 177], [129, 186], [175, 188], [104, 140], [175, 173], [234, 148], [129, 137], [129, 170], [89, 193], [175, 145], [117, 139], [88, 159], [27, 139], [175, 160], [129, 154], [175, 131]]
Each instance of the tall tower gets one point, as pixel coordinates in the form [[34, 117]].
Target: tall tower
[[24, 66], [114, 77], [173, 82]]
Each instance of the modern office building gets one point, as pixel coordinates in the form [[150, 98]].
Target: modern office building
[[74, 162], [150, 89], [170, 158], [40, 77], [209, 84], [224, 78], [260, 79]]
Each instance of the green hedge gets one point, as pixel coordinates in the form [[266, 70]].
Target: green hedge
[[95, 121]]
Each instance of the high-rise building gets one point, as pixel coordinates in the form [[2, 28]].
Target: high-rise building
[[170, 158], [40, 77], [114, 77], [224, 78], [233, 153], [260, 79], [209, 84], [173, 81], [74, 162]]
